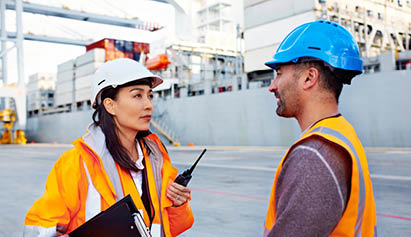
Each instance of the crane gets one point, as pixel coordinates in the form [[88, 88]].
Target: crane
[[17, 93]]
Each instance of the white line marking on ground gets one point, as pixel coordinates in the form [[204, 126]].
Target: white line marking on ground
[[398, 152], [228, 166], [390, 177], [373, 176]]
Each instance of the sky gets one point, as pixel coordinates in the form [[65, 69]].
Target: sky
[[44, 57]]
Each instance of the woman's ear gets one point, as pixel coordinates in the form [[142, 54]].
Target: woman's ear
[[109, 104]]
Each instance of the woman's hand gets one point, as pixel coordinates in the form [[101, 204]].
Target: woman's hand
[[61, 230], [178, 194]]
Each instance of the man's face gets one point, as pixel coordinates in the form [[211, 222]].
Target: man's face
[[284, 87]]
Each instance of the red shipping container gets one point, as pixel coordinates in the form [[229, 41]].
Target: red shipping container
[[110, 55], [146, 48], [129, 55], [105, 43], [138, 47], [118, 54]]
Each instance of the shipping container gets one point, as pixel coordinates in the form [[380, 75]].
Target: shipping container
[[136, 56], [146, 48], [94, 55], [119, 54], [105, 43], [83, 82], [119, 44], [66, 86], [41, 81], [129, 55], [138, 47], [87, 69], [110, 55], [64, 76], [66, 66], [128, 46]]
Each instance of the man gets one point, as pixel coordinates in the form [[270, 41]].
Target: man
[[322, 186]]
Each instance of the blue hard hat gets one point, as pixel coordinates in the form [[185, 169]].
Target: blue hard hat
[[324, 40]]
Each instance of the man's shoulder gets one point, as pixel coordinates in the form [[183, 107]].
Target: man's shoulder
[[316, 153], [322, 146]]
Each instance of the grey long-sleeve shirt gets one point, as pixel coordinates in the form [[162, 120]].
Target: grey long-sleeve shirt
[[312, 189]]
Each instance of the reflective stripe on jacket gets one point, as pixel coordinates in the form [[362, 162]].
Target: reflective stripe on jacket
[[359, 217], [70, 199]]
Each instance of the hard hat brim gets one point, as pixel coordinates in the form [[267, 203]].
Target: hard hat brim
[[272, 64], [156, 81]]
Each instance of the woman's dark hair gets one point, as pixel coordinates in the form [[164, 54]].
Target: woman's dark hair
[[106, 122]]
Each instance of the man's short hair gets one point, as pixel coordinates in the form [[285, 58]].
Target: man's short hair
[[327, 78]]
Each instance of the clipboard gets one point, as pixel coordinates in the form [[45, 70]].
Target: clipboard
[[117, 220]]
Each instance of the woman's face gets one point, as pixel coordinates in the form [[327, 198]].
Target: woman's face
[[133, 108]]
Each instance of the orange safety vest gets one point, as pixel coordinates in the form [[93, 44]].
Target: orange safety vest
[[64, 201], [359, 218]]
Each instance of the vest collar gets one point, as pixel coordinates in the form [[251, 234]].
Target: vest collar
[[312, 125]]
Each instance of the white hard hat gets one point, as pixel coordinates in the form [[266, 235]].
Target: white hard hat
[[118, 72]]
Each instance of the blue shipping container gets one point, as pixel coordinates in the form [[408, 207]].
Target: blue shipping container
[[128, 46], [136, 56], [119, 45]]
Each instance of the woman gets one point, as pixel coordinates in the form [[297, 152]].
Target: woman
[[116, 157]]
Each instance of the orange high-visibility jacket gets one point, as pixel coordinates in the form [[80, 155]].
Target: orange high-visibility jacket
[[81, 173], [359, 218]]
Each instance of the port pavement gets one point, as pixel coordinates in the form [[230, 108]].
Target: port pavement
[[230, 186]]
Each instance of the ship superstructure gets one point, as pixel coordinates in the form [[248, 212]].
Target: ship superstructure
[[377, 25], [215, 82]]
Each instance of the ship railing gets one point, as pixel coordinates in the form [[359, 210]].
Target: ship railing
[[165, 131]]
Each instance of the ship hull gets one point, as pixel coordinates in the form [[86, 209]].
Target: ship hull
[[378, 105]]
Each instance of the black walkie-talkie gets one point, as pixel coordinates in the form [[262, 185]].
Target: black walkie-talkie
[[185, 177]]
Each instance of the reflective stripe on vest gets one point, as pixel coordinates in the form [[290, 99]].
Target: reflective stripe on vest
[[93, 204], [324, 162], [123, 183], [361, 197], [93, 201]]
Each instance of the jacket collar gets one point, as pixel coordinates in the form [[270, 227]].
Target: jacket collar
[[95, 140]]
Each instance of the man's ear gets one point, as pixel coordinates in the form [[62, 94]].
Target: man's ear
[[109, 104], [312, 74]]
